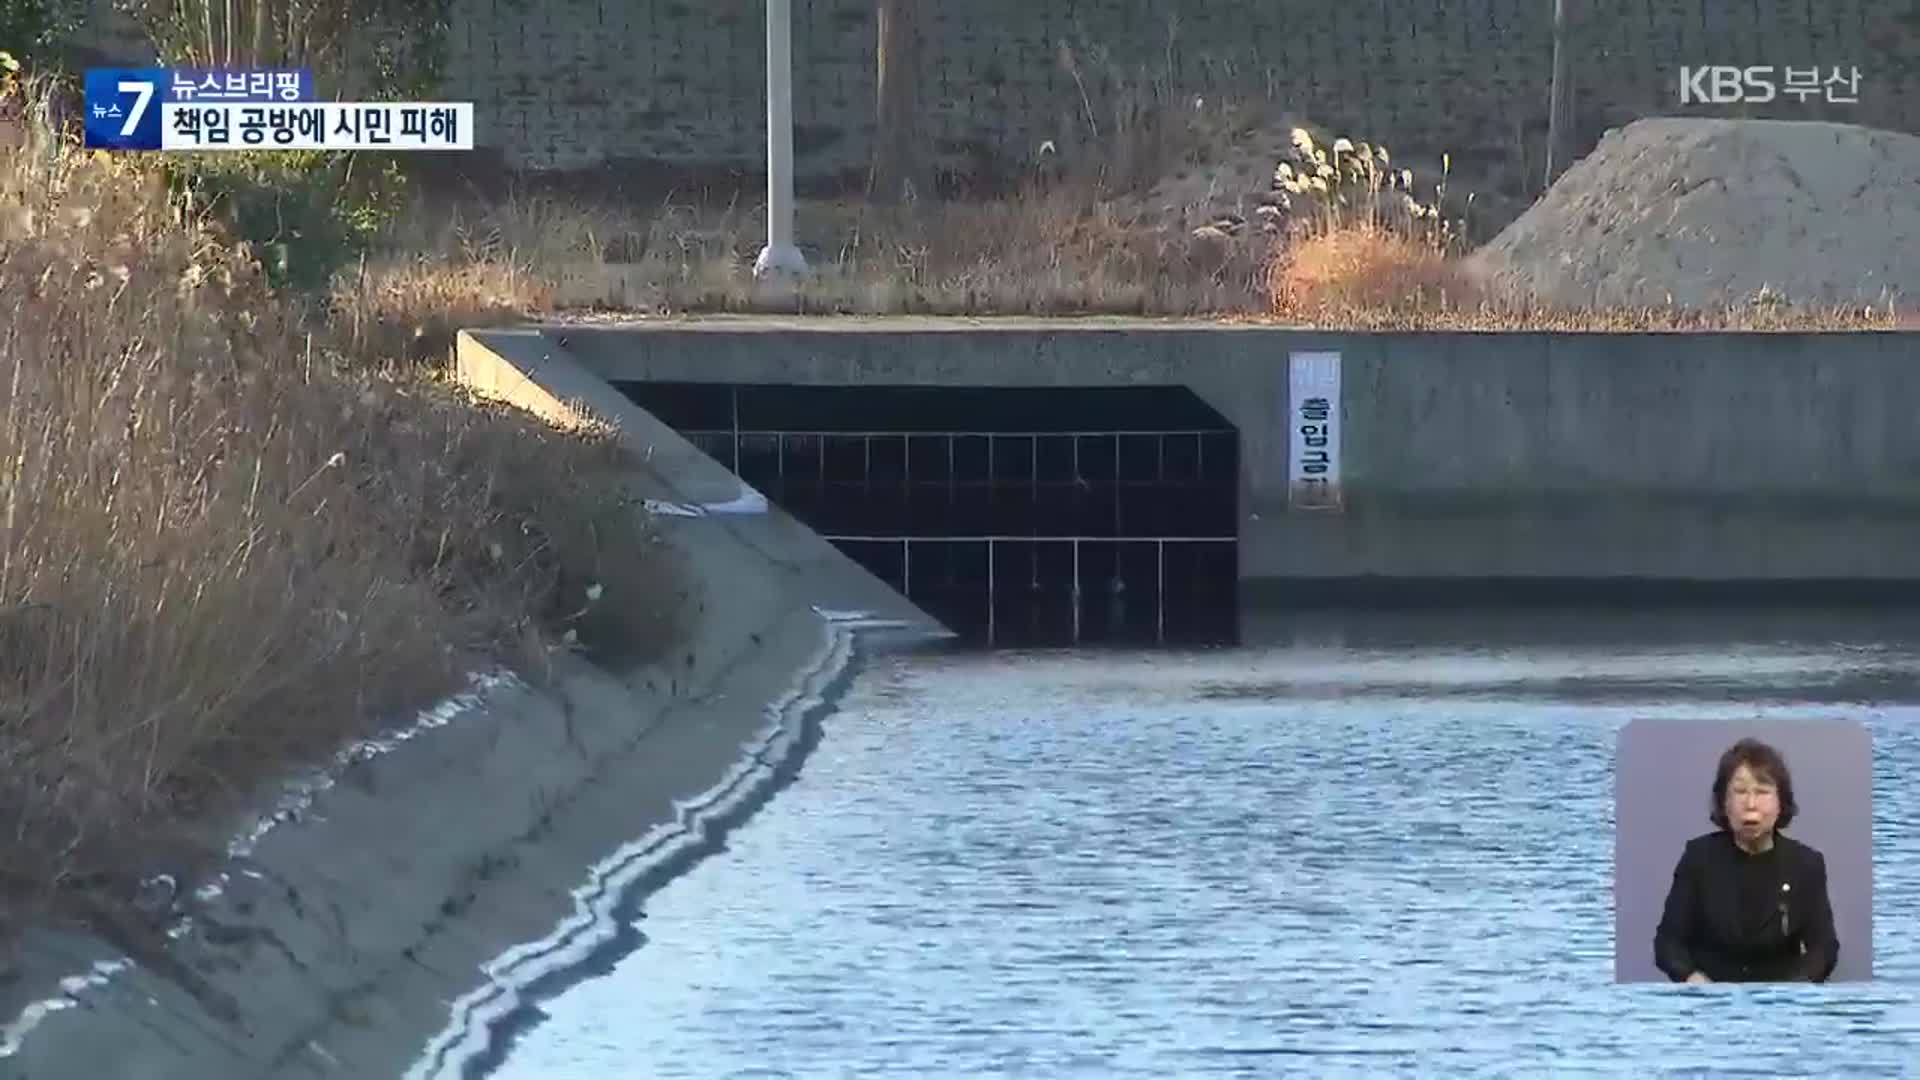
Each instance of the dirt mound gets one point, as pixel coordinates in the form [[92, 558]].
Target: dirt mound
[[1702, 213], [1229, 190]]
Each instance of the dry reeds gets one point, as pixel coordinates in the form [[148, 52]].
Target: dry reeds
[[222, 548]]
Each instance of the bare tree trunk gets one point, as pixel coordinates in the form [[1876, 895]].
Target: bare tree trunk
[[898, 165], [259, 15]]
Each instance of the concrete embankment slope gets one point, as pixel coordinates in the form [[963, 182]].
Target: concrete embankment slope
[[1676, 459], [400, 907]]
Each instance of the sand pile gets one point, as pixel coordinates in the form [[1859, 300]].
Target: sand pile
[[1703, 213]]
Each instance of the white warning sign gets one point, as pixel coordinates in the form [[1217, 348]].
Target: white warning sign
[[1313, 421]]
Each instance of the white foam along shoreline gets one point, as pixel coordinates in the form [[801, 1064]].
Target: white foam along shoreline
[[593, 923], [295, 800]]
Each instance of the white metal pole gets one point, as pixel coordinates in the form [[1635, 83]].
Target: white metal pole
[[780, 256], [1556, 95]]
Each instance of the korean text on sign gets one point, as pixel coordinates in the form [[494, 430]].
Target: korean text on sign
[[1313, 392], [326, 125], [206, 85]]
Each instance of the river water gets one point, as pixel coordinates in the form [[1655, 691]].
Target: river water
[[1374, 846]]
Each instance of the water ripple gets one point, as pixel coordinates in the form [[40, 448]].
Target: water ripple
[[1130, 868]]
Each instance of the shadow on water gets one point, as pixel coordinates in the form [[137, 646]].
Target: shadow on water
[[1494, 628], [1879, 686], [1811, 655]]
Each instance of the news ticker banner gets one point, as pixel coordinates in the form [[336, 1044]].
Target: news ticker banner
[[205, 109]]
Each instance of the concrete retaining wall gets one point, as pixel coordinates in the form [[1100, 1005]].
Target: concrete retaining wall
[[1681, 457]]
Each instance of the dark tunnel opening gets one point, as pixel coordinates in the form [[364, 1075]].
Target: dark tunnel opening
[[1019, 517]]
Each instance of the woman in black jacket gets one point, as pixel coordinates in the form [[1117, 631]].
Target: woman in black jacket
[[1748, 904]]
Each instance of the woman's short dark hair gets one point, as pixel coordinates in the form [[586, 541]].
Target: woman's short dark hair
[[1765, 763]]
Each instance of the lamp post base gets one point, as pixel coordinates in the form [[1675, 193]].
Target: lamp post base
[[779, 260]]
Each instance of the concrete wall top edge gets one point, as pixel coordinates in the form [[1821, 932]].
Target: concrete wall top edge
[[826, 325]]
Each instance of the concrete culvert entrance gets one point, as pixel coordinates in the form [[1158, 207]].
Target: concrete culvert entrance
[[1020, 517]]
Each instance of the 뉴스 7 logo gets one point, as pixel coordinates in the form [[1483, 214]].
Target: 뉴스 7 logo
[[1722, 84], [142, 97]]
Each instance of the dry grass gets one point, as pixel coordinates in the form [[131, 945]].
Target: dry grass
[[1075, 240], [1367, 272], [221, 549], [1062, 251], [1357, 251], [1362, 276], [1043, 253], [406, 311]]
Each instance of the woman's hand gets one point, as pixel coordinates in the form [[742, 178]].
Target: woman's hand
[[1697, 978]]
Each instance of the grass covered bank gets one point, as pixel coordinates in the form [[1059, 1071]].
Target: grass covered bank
[[1336, 235], [237, 528]]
